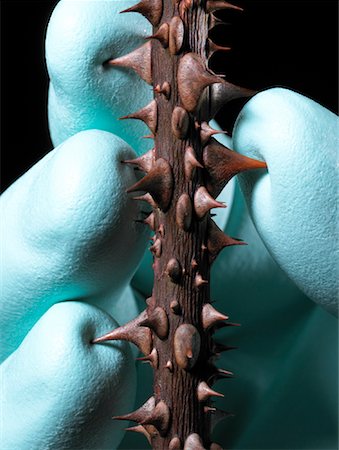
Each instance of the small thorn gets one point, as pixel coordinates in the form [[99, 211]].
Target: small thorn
[[162, 35], [199, 281], [164, 89], [152, 358], [222, 164], [148, 136], [210, 316], [204, 202], [194, 442], [186, 346], [218, 348], [193, 78], [131, 332], [146, 198], [204, 392], [175, 444], [203, 248], [180, 122], [157, 321], [206, 132], [160, 418], [215, 5], [141, 413], [156, 248], [174, 270], [144, 162], [151, 9], [218, 240], [176, 35], [142, 430], [184, 212], [190, 163], [148, 115], [214, 21], [212, 48], [139, 60], [161, 230], [194, 263], [158, 182], [169, 366], [175, 307], [151, 302], [150, 221], [209, 409], [223, 93]]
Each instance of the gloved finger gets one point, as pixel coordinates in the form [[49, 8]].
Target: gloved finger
[[68, 231], [86, 92], [61, 391], [294, 205]]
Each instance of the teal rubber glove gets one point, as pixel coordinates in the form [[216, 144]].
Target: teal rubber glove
[[85, 93], [274, 355], [70, 247]]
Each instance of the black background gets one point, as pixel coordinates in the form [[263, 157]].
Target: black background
[[275, 43]]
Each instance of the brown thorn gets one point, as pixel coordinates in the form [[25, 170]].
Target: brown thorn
[[175, 444], [156, 248], [175, 307], [199, 281], [212, 47], [184, 211], [139, 414], [152, 358], [151, 9], [162, 35], [206, 132], [222, 164], [157, 321], [210, 316], [190, 163], [176, 35], [215, 5], [148, 114], [139, 60], [193, 78], [158, 182], [218, 240], [180, 122], [194, 442], [144, 162], [169, 366], [131, 332], [164, 89], [160, 417], [204, 392], [146, 198], [204, 202], [150, 221], [186, 346], [223, 93], [174, 270]]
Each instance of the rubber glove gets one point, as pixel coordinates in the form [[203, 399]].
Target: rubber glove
[[69, 249], [86, 93]]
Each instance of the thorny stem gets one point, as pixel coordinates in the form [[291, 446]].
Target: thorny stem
[[185, 171]]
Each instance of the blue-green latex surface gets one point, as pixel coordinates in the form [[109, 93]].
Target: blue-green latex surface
[[285, 393]]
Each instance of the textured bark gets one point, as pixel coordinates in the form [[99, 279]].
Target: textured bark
[[185, 171]]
